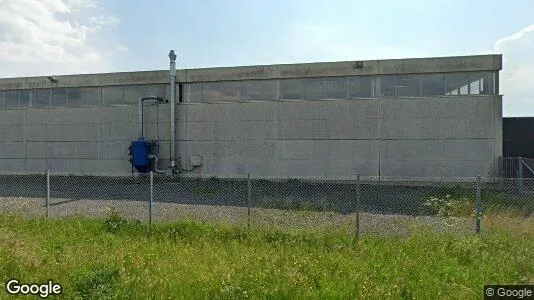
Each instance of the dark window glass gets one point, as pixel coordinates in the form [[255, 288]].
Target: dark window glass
[[303, 88], [211, 92], [42, 98], [432, 84], [456, 84], [252, 90], [268, 90], [360, 86], [112, 95], [26, 97], [75, 97], [407, 85], [12, 99], [193, 92], [230, 91], [481, 83], [59, 97], [335, 87], [387, 86], [92, 96]]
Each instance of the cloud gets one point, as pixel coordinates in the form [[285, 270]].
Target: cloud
[[51, 37], [518, 72]]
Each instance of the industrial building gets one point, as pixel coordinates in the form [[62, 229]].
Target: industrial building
[[399, 117]]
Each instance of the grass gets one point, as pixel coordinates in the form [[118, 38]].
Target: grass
[[115, 258]]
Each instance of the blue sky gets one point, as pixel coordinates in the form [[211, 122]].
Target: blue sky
[[85, 36]]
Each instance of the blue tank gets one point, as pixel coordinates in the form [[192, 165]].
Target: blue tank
[[139, 151]]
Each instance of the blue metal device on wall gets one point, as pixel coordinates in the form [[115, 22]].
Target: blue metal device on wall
[[140, 150]]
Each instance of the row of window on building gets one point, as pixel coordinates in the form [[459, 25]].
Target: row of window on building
[[346, 87]]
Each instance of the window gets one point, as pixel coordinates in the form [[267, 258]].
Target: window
[[12, 99], [432, 84], [360, 86], [2, 100], [303, 88], [75, 97], [211, 92], [268, 90], [456, 84], [132, 93], [335, 87], [42, 98], [252, 90], [92, 96], [481, 83], [386, 86], [25, 98], [407, 85], [230, 91], [193, 92], [112, 95], [59, 97]]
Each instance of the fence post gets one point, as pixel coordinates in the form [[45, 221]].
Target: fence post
[[151, 198], [248, 201], [519, 174], [478, 205], [47, 192], [357, 207]]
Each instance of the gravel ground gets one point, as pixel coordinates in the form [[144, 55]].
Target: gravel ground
[[382, 224]]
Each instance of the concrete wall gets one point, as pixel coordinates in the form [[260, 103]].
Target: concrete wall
[[441, 136]]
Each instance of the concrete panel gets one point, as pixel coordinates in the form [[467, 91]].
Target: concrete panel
[[81, 150], [64, 115], [63, 133], [328, 129], [113, 150], [12, 150], [12, 132], [118, 132], [12, 83], [12, 165], [435, 168], [437, 107], [354, 150], [437, 128], [142, 77], [262, 150], [238, 130], [233, 167], [480, 63], [211, 112], [12, 117], [323, 110], [119, 114], [437, 150], [35, 165]]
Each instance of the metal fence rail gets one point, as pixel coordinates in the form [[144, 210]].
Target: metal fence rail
[[360, 205]]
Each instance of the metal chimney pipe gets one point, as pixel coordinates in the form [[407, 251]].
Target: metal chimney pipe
[[172, 57]]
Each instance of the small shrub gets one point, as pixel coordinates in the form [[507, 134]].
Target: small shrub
[[113, 221], [450, 207]]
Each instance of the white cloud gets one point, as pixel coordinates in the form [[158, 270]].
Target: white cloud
[[518, 72], [50, 37]]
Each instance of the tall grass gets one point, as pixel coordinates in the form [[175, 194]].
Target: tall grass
[[114, 258]]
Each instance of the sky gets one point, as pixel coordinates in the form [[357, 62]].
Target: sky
[[52, 37]]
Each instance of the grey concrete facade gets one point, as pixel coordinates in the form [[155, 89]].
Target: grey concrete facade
[[392, 136]]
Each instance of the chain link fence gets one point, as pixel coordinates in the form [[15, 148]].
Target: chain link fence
[[359, 205]]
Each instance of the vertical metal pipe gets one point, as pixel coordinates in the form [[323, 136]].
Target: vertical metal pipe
[[478, 205], [151, 201], [47, 191], [172, 57], [248, 200], [357, 206]]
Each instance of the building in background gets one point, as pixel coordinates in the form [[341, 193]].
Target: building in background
[[402, 117]]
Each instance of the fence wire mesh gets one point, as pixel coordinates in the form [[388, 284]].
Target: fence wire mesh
[[359, 205]]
